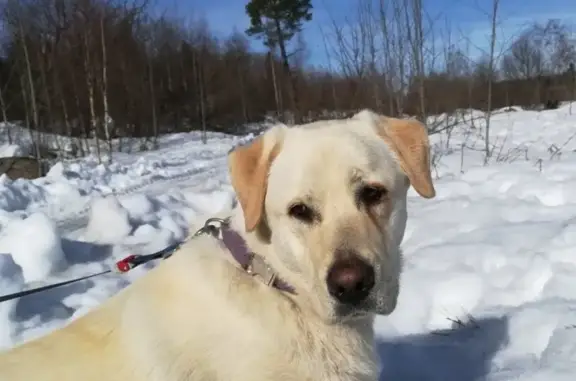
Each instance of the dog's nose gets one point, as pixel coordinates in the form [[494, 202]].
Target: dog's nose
[[350, 280]]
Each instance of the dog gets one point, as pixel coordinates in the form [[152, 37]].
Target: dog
[[285, 286]]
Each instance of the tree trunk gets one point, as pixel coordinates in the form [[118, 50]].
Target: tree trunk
[[36, 141], [90, 84], [419, 55], [242, 94], [51, 125], [84, 146], [288, 72], [67, 122], [201, 94], [153, 102], [105, 89], [277, 92], [5, 117], [488, 151]]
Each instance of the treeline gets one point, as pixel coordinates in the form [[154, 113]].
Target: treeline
[[536, 70], [109, 68]]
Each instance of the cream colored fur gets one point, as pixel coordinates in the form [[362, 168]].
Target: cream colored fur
[[198, 317]]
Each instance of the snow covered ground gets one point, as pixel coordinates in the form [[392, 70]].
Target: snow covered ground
[[489, 287]]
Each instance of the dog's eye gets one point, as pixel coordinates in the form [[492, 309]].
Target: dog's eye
[[301, 212], [372, 194]]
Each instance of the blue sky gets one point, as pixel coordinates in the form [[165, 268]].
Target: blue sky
[[468, 18]]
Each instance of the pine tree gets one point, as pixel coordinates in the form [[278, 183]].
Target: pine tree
[[276, 22]]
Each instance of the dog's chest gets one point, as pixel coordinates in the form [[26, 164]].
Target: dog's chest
[[321, 355], [338, 357]]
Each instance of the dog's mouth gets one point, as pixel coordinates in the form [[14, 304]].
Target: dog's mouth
[[351, 312], [375, 304]]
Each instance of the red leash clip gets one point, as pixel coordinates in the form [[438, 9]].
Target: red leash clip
[[126, 264]]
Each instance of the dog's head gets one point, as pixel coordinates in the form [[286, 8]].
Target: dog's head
[[325, 204]]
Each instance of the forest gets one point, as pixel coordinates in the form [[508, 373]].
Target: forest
[[114, 68]]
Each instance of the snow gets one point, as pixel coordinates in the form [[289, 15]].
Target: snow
[[42, 254], [11, 150], [489, 283]]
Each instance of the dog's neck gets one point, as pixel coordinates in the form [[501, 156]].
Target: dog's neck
[[249, 255]]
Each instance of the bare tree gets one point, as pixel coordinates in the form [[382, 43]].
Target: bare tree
[[491, 69], [390, 64], [416, 39], [4, 115], [91, 84], [104, 89], [32, 95]]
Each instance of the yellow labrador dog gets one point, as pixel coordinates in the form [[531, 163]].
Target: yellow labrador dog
[[285, 288]]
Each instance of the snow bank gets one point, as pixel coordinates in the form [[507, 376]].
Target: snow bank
[[11, 150], [109, 221], [11, 280], [65, 192], [34, 245]]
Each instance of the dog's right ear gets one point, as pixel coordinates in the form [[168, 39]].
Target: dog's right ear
[[408, 138], [249, 166]]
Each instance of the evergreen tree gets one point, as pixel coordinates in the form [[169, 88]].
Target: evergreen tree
[[276, 22]]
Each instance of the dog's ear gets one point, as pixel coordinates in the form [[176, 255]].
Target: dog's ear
[[408, 139], [249, 166]]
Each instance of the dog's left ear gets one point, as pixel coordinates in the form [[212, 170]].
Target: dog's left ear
[[408, 139], [249, 166]]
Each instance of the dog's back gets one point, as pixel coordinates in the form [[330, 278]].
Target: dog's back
[[69, 351]]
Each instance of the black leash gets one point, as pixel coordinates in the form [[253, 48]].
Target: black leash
[[121, 267], [5, 298]]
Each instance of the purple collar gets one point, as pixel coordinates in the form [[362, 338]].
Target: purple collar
[[252, 263]]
